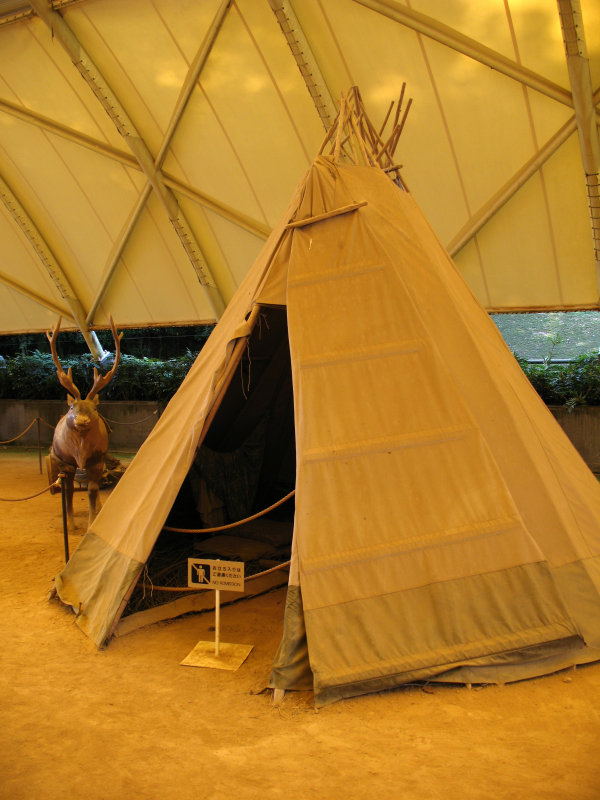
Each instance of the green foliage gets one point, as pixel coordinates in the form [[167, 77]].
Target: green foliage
[[161, 343], [33, 376], [573, 384], [154, 361], [30, 377], [148, 378]]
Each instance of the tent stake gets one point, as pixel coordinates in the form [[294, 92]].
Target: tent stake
[[278, 695]]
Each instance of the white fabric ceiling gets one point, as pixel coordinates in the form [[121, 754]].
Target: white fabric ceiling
[[147, 147]]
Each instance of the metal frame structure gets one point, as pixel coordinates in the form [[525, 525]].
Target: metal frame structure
[[139, 155]]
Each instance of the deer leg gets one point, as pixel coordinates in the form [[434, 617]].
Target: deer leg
[[94, 475], [94, 500]]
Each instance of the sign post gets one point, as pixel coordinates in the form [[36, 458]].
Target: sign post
[[217, 621], [217, 575]]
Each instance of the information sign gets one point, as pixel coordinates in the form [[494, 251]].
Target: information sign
[[209, 573]]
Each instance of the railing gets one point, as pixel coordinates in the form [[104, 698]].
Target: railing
[[139, 425], [129, 423]]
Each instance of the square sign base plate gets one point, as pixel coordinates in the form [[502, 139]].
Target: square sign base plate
[[231, 656]]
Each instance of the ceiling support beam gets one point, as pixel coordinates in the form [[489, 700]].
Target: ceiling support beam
[[192, 78], [82, 139], [111, 104], [125, 158], [450, 37], [184, 96], [42, 301], [117, 251], [18, 11], [307, 63], [583, 100], [16, 14], [52, 265], [510, 188], [253, 226]]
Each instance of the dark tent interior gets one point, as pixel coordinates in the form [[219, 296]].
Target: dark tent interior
[[245, 463]]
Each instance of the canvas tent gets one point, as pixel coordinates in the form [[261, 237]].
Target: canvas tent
[[445, 528]]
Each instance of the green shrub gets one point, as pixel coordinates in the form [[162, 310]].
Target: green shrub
[[161, 343], [573, 384], [31, 377]]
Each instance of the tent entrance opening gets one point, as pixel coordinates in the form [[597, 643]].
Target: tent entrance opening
[[245, 463]]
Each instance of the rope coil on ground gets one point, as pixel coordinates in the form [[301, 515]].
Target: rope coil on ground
[[31, 496], [231, 524]]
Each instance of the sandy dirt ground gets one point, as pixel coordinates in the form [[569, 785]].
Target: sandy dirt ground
[[131, 722]]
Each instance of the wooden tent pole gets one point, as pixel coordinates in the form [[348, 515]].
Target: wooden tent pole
[[387, 116], [399, 107], [341, 122], [329, 135], [335, 212], [401, 126], [367, 157]]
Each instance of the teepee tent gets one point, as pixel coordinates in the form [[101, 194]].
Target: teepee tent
[[445, 528]]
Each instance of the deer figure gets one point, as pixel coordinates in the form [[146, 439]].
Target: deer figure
[[81, 437]]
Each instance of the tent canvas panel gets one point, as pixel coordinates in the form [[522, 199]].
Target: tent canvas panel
[[437, 625], [377, 461], [82, 589]]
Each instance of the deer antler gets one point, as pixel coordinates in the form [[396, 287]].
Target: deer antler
[[100, 381], [65, 379]]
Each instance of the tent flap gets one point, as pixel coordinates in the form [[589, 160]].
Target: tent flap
[[94, 584], [291, 667]]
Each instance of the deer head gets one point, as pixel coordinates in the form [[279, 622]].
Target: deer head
[[100, 381]]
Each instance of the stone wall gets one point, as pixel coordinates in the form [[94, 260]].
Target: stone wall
[[582, 426], [130, 423]]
